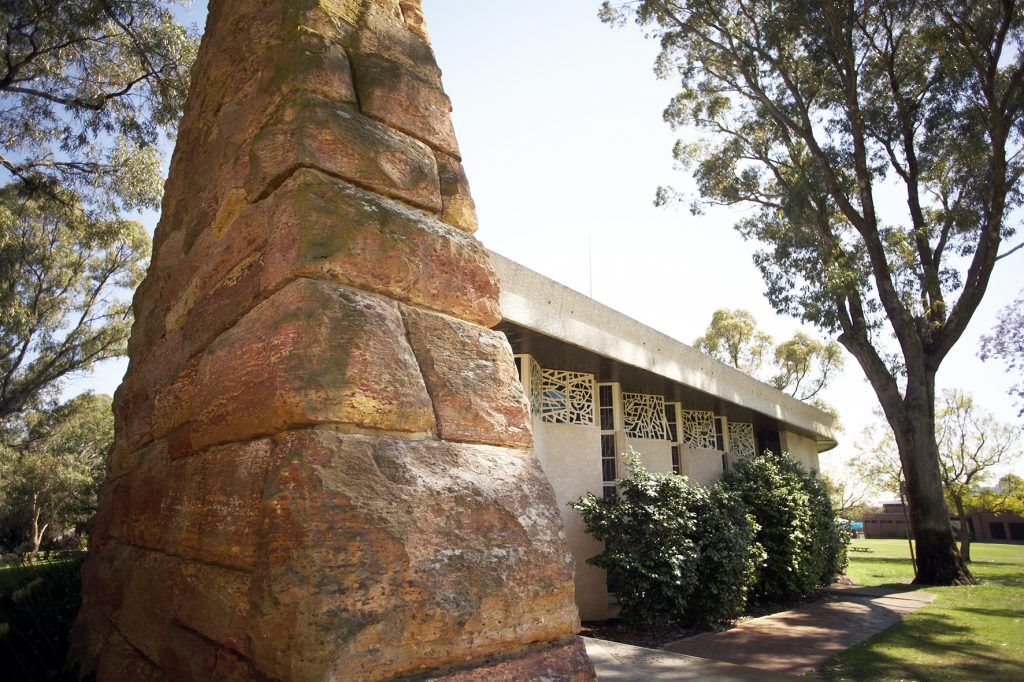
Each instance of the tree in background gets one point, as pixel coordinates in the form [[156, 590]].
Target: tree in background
[[1006, 497], [806, 366], [86, 88], [971, 444], [51, 466], [803, 366], [813, 108], [848, 499], [64, 282], [732, 337], [1006, 342]]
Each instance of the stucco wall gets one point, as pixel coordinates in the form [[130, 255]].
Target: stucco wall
[[655, 455], [800, 448], [571, 457], [701, 466]]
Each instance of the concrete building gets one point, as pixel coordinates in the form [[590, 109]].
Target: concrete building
[[600, 383]]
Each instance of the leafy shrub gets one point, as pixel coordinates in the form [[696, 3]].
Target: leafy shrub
[[804, 545], [674, 553], [38, 603]]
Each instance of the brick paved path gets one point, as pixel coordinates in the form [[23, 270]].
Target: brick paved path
[[796, 641]]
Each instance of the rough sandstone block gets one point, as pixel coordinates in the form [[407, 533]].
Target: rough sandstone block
[[471, 378], [459, 209], [308, 61], [312, 132], [122, 661], [312, 353], [566, 662], [205, 507], [390, 93], [386, 31], [388, 557], [205, 599], [327, 229]]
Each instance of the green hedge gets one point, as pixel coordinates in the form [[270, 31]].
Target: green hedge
[[686, 555], [674, 553]]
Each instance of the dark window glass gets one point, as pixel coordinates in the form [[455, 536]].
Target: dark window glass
[[606, 408], [676, 467], [998, 530], [1016, 531], [610, 493], [608, 457]]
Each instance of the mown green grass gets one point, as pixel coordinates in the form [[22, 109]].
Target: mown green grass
[[967, 633]]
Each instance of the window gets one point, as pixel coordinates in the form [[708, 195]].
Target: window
[[567, 397], [531, 377], [608, 465], [741, 439], [644, 416], [608, 417], [672, 421], [606, 407], [677, 465], [699, 429], [721, 442]]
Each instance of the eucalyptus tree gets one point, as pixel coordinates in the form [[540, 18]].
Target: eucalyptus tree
[[86, 89], [65, 280], [879, 142], [1006, 342]]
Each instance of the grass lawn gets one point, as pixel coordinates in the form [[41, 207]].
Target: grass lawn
[[967, 633]]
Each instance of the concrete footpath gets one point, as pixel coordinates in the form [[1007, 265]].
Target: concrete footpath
[[775, 647]]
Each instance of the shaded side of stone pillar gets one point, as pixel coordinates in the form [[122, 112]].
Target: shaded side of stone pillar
[[322, 467]]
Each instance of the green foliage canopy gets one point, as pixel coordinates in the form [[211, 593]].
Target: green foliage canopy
[[732, 337], [52, 462], [86, 88], [804, 366], [64, 279]]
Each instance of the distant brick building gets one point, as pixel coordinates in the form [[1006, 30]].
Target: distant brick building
[[889, 523], [986, 527]]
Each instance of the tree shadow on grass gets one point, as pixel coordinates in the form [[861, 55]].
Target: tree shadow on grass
[[928, 636]]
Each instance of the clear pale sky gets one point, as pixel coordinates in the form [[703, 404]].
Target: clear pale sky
[[559, 121]]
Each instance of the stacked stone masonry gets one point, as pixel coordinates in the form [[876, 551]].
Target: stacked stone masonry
[[322, 467]]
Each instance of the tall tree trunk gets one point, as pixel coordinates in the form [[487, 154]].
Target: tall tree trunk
[[965, 531], [938, 561], [37, 532]]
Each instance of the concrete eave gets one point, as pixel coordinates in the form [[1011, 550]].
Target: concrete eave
[[533, 301]]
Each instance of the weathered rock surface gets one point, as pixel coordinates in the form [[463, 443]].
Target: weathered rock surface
[[322, 467]]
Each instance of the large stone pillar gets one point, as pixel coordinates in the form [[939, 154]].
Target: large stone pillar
[[322, 467]]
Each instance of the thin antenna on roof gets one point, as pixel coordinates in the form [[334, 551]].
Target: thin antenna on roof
[[590, 262]]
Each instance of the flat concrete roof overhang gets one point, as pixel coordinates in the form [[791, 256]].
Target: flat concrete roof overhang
[[540, 316]]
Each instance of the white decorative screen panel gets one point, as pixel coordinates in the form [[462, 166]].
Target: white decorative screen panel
[[536, 386], [644, 416], [567, 397], [699, 429], [741, 439]]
